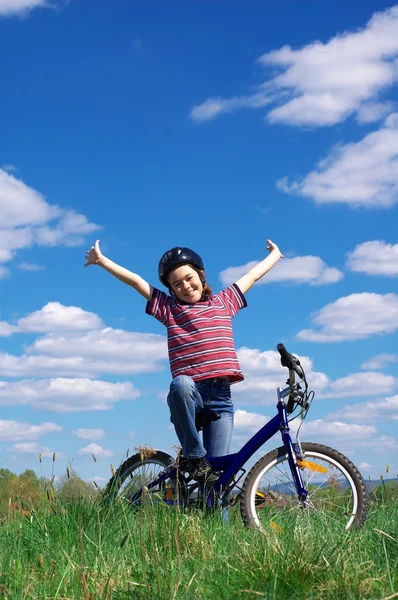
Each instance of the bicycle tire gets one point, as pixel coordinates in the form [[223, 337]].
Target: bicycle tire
[[135, 473], [336, 491]]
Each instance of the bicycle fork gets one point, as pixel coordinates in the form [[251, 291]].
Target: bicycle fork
[[293, 455]]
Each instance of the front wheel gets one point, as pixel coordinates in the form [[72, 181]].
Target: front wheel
[[336, 491]]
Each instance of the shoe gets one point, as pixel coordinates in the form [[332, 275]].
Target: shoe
[[198, 468]]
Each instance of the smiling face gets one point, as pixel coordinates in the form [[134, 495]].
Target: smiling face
[[186, 284]]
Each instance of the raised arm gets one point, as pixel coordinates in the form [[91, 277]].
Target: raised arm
[[94, 256], [260, 269]]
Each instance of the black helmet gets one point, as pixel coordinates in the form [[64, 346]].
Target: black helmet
[[176, 257]]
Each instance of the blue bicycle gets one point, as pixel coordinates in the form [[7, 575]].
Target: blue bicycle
[[304, 480]]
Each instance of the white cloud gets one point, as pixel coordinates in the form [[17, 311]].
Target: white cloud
[[96, 450], [253, 361], [380, 361], [104, 344], [55, 317], [26, 219], [369, 412], [89, 434], [264, 374], [24, 266], [374, 258], [364, 466], [31, 448], [348, 438], [337, 430], [354, 317], [256, 390], [4, 272], [46, 366], [301, 269], [20, 7], [374, 111], [216, 106], [22, 205], [6, 329], [322, 84], [15, 430], [9, 168], [71, 230], [248, 422], [364, 173], [359, 384], [381, 444], [13, 239], [76, 346], [65, 395]]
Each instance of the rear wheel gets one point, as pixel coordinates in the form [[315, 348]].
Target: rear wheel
[[132, 481], [336, 491]]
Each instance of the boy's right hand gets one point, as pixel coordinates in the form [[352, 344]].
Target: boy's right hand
[[94, 255]]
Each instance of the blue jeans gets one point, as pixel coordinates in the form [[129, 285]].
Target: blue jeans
[[186, 399]]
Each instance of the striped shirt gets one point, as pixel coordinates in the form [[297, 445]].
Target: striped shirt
[[199, 336]]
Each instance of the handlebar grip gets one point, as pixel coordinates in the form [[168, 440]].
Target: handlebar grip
[[286, 357], [289, 361]]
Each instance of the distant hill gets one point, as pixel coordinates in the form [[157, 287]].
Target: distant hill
[[373, 484]]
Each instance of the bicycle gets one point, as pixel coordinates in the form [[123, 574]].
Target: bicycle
[[306, 478]]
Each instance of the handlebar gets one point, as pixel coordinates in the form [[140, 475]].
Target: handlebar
[[290, 361], [293, 364]]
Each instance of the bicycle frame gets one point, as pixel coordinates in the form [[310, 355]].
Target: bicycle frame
[[231, 464]]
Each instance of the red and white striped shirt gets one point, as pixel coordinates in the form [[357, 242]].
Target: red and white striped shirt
[[200, 338]]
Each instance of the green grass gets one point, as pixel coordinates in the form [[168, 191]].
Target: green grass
[[84, 551]]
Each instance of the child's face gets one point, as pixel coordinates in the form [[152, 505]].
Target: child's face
[[186, 284]]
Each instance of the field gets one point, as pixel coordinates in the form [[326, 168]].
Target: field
[[83, 550]]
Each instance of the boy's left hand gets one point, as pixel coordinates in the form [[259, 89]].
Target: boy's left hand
[[271, 247]]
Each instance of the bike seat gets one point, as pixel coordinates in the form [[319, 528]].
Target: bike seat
[[205, 417]]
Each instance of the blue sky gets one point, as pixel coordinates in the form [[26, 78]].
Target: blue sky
[[215, 126]]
